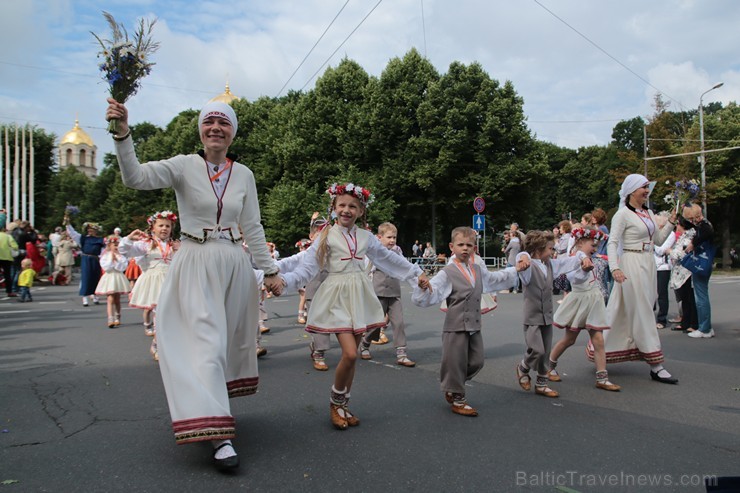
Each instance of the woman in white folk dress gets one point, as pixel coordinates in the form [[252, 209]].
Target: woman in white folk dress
[[633, 335], [208, 305]]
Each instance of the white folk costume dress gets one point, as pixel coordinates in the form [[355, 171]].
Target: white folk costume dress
[[114, 280], [584, 307], [154, 257], [346, 302], [208, 305], [633, 335]]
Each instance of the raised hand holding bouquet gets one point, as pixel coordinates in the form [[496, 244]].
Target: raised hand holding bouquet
[[125, 61]]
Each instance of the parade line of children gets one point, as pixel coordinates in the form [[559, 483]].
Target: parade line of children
[[351, 282]]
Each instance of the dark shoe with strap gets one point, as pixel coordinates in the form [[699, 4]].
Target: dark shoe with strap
[[226, 463], [658, 378]]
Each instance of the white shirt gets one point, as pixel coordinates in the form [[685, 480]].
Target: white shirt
[[442, 286], [560, 265]]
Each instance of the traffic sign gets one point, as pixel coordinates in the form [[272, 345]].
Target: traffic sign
[[479, 204], [479, 222]]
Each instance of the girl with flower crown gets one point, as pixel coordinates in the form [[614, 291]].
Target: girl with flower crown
[[153, 250], [584, 309], [113, 283], [345, 304]]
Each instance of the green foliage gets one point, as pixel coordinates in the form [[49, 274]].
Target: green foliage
[[425, 143]]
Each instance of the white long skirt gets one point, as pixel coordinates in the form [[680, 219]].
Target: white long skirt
[[633, 335], [206, 336]]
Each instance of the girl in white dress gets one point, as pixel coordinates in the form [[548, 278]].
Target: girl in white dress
[[584, 309], [113, 283], [345, 304], [153, 250], [208, 304], [634, 234]]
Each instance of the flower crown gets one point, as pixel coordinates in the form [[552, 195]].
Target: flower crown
[[112, 239], [362, 194], [593, 234], [169, 215]]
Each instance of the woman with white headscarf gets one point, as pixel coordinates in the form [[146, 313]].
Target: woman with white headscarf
[[634, 234], [208, 307]]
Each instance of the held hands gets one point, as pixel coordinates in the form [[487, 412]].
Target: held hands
[[619, 276], [587, 264], [274, 285], [523, 263], [117, 111], [424, 283]]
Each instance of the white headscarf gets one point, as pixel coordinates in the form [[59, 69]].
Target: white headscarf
[[223, 110], [630, 184]]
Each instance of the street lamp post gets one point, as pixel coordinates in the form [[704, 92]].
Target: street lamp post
[[703, 157]]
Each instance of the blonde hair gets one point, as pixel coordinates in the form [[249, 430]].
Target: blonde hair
[[465, 231], [386, 227], [26, 263], [536, 241]]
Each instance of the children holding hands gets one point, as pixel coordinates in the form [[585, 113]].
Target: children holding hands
[[388, 291], [462, 283], [537, 289], [584, 309], [345, 303]]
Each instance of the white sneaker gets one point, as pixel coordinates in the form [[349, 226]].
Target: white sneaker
[[96, 300], [697, 334], [84, 301]]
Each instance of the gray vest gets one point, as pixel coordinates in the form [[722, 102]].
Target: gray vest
[[386, 286], [463, 304], [538, 297]]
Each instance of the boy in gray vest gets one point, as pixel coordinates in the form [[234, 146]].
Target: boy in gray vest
[[537, 289], [388, 291], [462, 283]]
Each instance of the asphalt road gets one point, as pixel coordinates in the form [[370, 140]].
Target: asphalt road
[[83, 409]]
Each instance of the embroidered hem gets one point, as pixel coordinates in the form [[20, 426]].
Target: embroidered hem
[[344, 330], [242, 386], [578, 329], [150, 307], [628, 355], [204, 429]]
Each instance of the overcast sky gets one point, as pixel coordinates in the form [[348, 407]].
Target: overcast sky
[[574, 92]]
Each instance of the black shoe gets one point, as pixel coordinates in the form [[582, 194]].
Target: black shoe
[[228, 463], [677, 327], [660, 379]]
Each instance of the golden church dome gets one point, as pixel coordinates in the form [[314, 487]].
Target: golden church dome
[[226, 97], [77, 136]]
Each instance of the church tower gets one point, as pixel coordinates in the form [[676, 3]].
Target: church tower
[[77, 149]]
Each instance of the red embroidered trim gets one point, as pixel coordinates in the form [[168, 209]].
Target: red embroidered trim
[[206, 428]]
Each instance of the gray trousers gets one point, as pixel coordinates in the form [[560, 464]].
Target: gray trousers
[[393, 308], [539, 342], [462, 359]]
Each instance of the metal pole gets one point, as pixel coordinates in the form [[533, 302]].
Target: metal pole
[[644, 147], [703, 155], [702, 158]]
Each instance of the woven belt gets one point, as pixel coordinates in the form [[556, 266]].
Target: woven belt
[[206, 236], [636, 251]]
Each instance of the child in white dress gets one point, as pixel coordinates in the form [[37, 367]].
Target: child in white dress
[[154, 249], [584, 309], [113, 283], [345, 304]]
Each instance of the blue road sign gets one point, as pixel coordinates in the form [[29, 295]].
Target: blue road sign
[[479, 222]]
